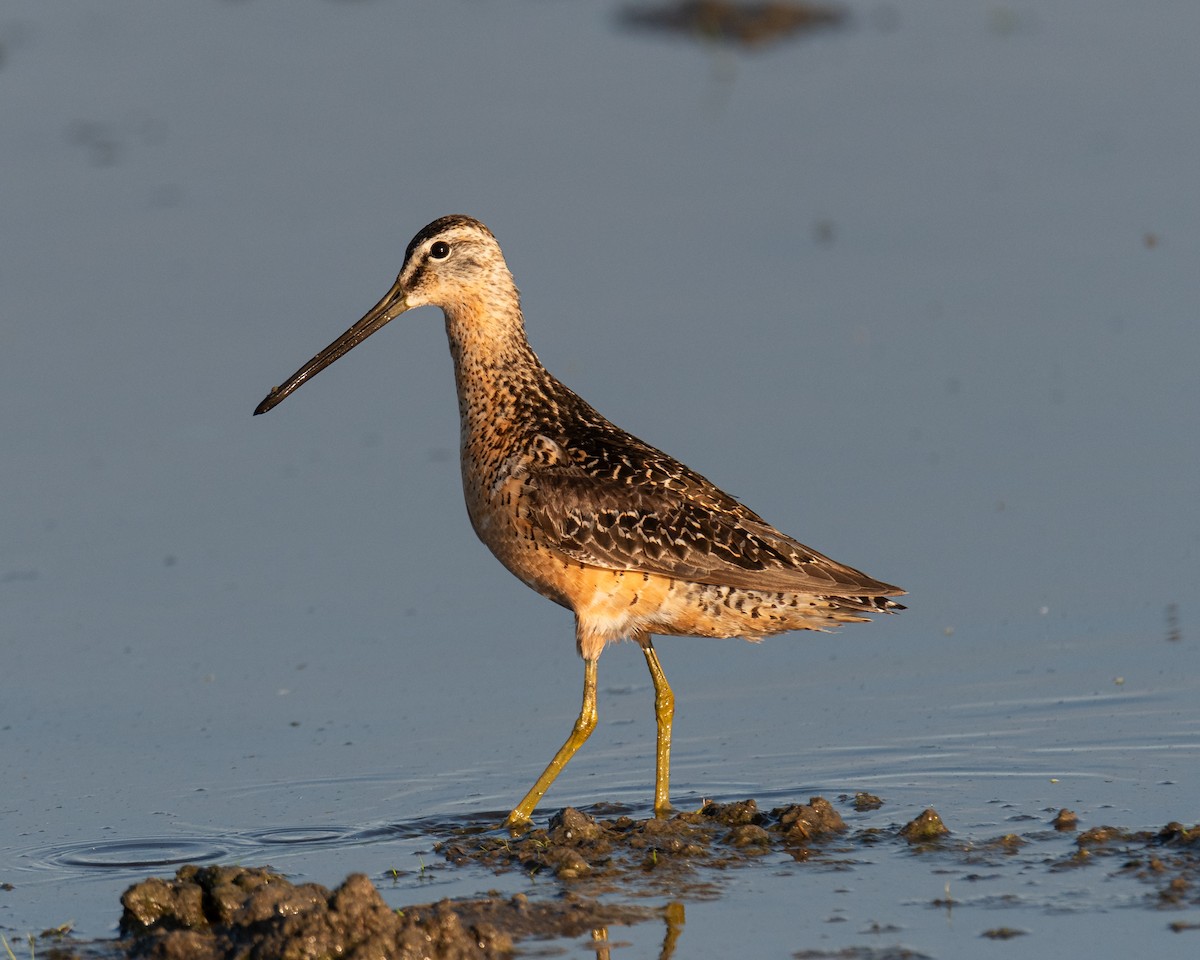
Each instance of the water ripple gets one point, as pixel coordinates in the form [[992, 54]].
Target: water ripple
[[133, 853]]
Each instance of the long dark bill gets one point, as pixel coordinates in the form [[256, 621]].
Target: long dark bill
[[387, 309]]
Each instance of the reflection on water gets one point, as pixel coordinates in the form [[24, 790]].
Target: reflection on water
[[674, 915], [747, 25]]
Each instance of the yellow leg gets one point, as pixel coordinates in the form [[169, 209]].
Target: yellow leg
[[582, 730], [664, 713]]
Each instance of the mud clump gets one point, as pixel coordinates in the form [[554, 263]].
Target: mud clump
[[213, 913], [1101, 836], [1168, 859], [608, 852], [222, 913], [925, 828], [864, 801], [1008, 843], [805, 822]]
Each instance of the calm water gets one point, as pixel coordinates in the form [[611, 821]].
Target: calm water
[[921, 290]]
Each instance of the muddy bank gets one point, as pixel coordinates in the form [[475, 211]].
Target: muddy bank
[[212, 913], [607, 871]]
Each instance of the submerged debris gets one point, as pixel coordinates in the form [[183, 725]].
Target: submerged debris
[[1003, 933], [748, 25]]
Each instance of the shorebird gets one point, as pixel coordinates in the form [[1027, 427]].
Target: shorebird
[[629, 539]]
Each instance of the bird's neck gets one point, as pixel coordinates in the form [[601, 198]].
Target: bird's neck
[[496, 371]]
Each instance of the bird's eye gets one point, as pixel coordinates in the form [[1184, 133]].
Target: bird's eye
[[440, 250]]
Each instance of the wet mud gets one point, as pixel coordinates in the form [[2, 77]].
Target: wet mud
[[669, 856], [609, 870], [209, 913]]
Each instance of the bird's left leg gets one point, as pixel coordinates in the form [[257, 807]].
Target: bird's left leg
[[583, 728]]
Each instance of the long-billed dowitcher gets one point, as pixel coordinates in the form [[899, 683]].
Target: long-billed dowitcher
[[629, 539]]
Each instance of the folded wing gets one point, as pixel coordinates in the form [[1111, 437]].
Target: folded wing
[[680, 526]]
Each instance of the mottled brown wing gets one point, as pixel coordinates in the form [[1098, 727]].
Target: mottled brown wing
[[610, 523]]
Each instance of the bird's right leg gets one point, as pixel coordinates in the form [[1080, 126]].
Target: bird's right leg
[[583, 728], [664, 714]]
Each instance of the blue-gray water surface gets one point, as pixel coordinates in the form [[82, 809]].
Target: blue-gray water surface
[[921, 290]]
